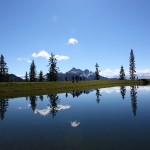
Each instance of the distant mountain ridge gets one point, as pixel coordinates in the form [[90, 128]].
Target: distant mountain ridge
[[87, 74], [14, 78]]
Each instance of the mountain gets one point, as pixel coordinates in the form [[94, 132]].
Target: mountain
[[14, 78], [88, 75]]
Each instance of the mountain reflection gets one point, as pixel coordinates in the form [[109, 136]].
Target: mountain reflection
[[77, 93], [3, 107], [52, 101], [133, 94]]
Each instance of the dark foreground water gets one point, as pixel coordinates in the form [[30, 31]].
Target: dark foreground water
[[106, 119]]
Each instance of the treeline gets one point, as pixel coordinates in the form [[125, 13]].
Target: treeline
[[32, 76], [52, 74], [122, 75]]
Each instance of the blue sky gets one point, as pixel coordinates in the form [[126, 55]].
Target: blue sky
[[79, 32]]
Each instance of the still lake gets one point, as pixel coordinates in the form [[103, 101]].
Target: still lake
[[116, 118]]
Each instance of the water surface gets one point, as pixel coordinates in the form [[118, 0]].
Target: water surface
[[108, 119]]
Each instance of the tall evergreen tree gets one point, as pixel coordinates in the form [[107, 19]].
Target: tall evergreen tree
[[26, 77], [122, 73], [97, 76], [73, 79], [32, 72], [3, 70], [53, 69], [132, 66], [41, 76]]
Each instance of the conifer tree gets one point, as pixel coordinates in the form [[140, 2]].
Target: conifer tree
[[26, 77], [73, 79], [41, 76], [122, 73], [53, 69], [3, 70], [77, 78], [132, 66], [32, 72], [97, 76]]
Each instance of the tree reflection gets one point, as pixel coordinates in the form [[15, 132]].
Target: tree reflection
[[76, 93], [33, 100], [54, 100], [3, 107], [133, 94], [41, 97], [123, 91], [66, 95], [98, 96]]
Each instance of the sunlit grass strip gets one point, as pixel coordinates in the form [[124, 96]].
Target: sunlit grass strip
[[20, 89]]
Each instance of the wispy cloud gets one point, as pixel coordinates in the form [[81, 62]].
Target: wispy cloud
[[110, 73], [55, 18], [24, 59], [114, 73], [72, 41], [46, 55]]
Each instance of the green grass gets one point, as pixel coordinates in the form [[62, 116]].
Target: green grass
[[21, 89]]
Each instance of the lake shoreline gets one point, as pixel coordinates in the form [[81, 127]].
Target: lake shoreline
[[22, 89]]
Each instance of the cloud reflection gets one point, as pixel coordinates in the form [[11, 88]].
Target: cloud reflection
[[44, 112], [117, 89], [75, 124]]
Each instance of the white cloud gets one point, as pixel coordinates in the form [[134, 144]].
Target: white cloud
[[110, 73], [19, 59], [24, 59], [46, 55], [42, 53], [114, 73], [29, 61], [75, 123], [72, 41], [61, 57]]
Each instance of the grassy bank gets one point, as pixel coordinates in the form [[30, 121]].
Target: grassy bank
[[21, 89]]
